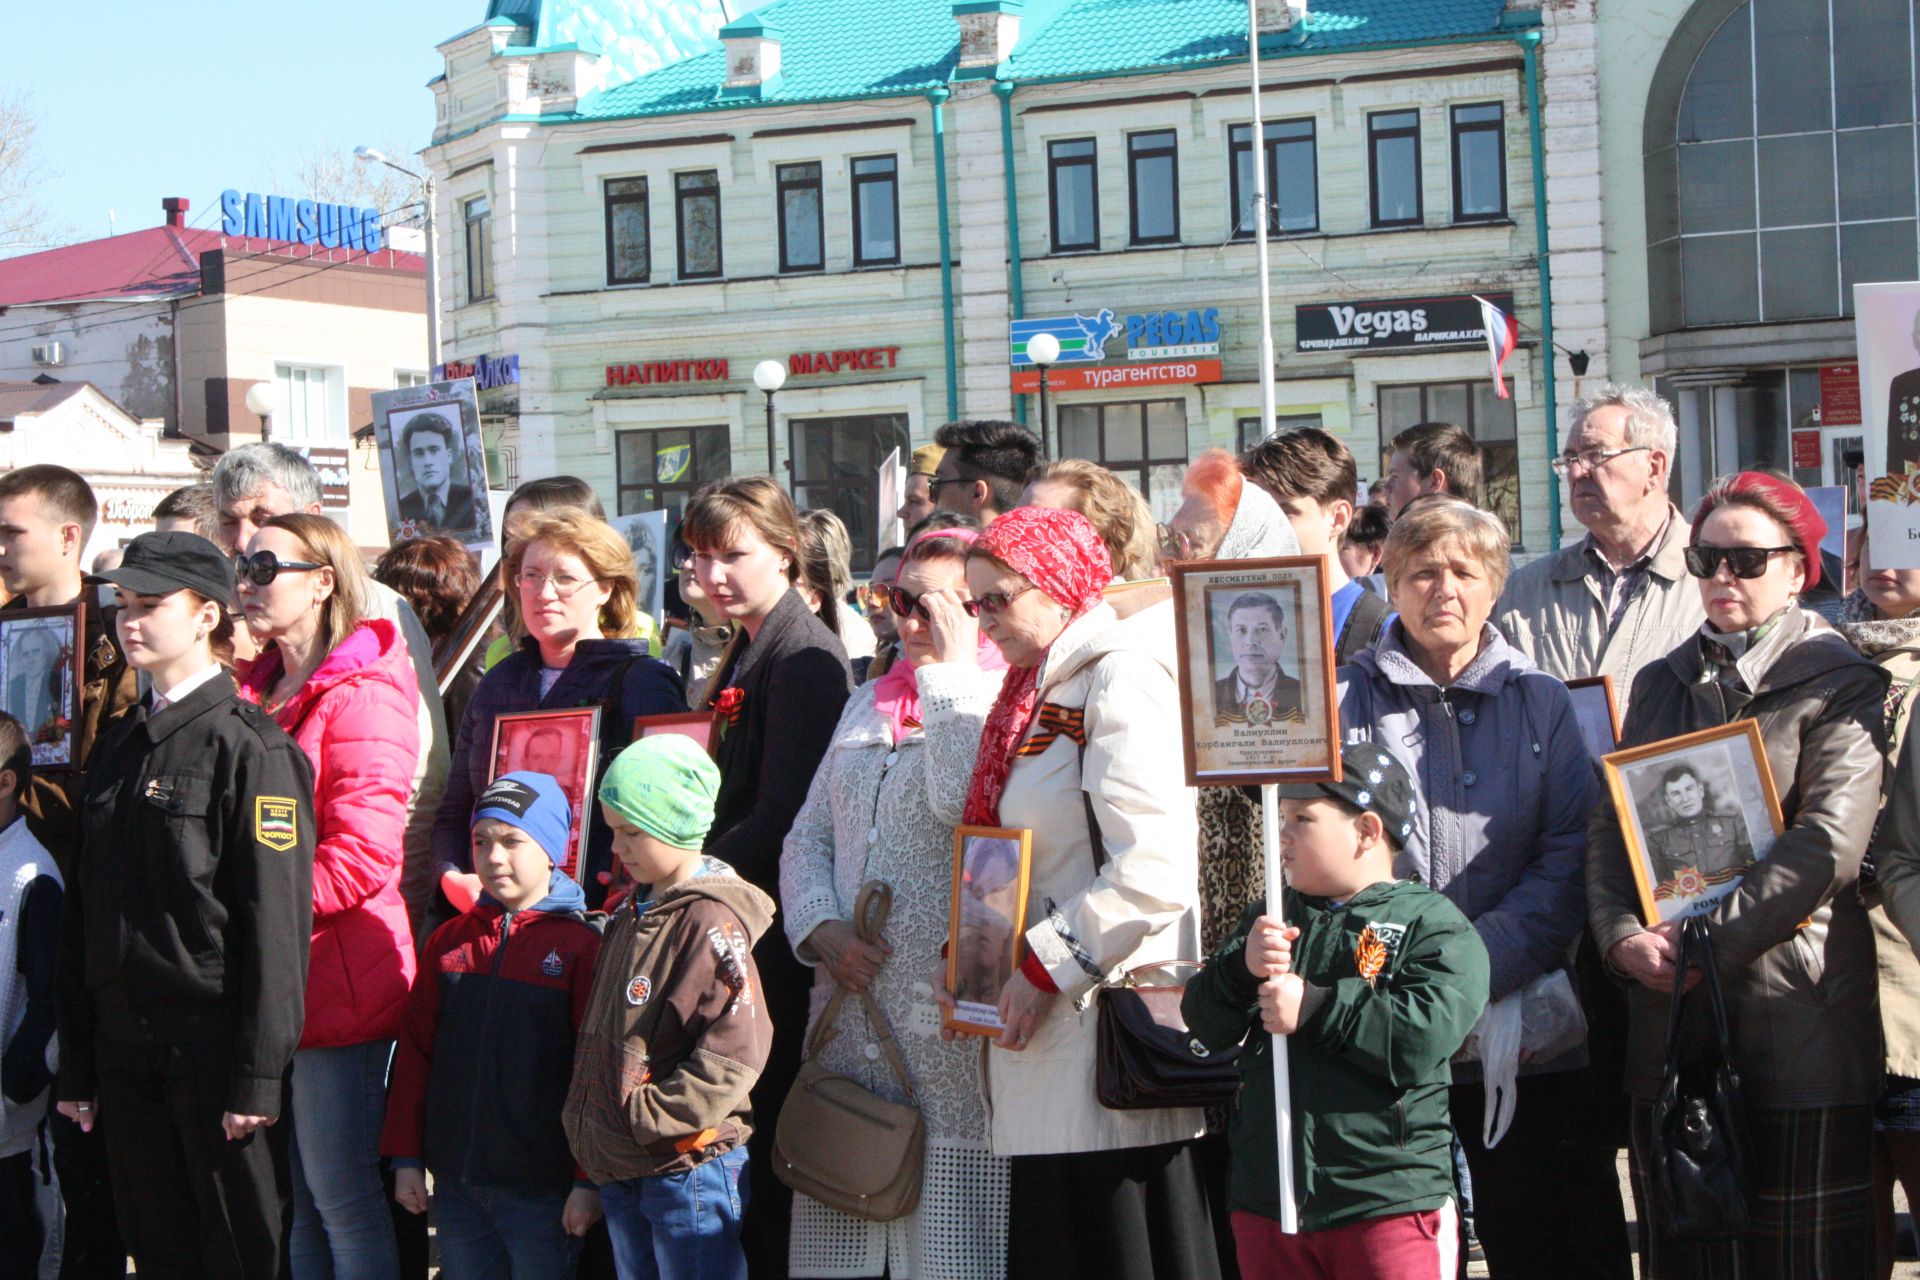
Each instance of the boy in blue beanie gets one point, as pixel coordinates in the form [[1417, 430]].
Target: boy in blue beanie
[[676, 1032], [486, 1051]]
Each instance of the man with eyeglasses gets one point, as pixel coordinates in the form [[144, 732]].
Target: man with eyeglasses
[[1619, 598], [984, 468]]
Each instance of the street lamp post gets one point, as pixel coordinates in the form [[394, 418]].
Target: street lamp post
[[1043, 349], [260, 405], [770, 376], [367, 155]]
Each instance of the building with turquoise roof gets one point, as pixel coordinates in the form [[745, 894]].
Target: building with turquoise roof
[[643, 201]]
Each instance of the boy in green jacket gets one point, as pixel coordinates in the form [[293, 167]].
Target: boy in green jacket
[[1376, 984]]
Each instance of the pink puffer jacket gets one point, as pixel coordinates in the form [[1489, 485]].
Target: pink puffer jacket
[[356, 719]]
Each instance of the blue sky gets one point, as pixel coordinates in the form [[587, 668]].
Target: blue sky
[[141, 99]]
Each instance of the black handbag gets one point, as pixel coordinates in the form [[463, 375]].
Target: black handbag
[[1146, 1056], [1701, 1186]]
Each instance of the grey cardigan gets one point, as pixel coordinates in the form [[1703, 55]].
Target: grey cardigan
[[1506, 790]]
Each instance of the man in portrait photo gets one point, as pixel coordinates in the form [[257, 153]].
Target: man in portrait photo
[[429, 444], [1257, 691], [34, 683], [1700, 848], [544, 750]]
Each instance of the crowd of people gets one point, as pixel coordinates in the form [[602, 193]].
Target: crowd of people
[[293, 960]]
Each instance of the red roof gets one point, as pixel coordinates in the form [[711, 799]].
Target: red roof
[[159, 262]]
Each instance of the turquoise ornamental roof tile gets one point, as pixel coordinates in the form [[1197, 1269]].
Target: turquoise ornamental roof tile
[[637, 36], [754, 24]]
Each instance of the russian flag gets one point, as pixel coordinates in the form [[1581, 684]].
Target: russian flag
[[1502, 333]]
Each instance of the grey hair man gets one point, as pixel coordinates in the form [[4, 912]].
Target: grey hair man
[[253, 483], [1619, 598]]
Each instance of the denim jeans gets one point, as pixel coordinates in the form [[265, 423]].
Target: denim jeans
[[341, 1228], [489, 1233], [680, 1224]]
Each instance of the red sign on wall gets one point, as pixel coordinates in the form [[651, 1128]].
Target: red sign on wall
[[859, 359], [1115, 377], [1806, 450], [1839, 395], [656, 371]]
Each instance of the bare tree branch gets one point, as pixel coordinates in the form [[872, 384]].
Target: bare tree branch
[[333, 174], [24, 220]]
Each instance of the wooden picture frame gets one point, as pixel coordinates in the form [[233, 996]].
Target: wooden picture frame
[[519, 735], [471, 631], [453, 447], [987, 922], [1690, 844], [701, 726], [1597, 713], [1255, 722], [41, 678]]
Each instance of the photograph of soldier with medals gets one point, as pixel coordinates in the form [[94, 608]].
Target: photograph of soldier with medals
[[1887, 335], [1256, 671], [1698, 811]]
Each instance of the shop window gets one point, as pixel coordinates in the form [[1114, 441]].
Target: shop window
[[661, 470], [410, 378], [836, 467], [1073, 190], [1479, 162], [876, 211], [1153, 181], [1393, 151], [802, 241], [1293, 179], [1474, 407], [312, 406], [1250, 433], [696, 198], [1144, 442], [629, 232], [1784, 173], [478, 218]]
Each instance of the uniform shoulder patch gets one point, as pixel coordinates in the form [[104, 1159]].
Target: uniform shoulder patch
[[276, 822]]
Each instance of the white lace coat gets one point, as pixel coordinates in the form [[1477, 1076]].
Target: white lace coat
[[880, 810]]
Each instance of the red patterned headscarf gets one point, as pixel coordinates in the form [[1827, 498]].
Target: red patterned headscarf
[[1061, 554]]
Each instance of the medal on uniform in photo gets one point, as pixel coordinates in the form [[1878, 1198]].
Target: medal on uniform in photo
[[1259, 710]]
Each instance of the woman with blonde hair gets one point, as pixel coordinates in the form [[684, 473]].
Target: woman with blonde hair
[[1114, 507], [342, 684], [572, 580]]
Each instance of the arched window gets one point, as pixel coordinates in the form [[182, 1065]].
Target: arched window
[[1780, 160]]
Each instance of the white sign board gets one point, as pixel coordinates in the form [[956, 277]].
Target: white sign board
[[1887, 331]]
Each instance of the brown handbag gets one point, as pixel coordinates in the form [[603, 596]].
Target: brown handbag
[[838, 1142], [1146, 1057]]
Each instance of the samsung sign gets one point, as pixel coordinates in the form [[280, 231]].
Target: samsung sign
[[309, 222], [1402, 322]]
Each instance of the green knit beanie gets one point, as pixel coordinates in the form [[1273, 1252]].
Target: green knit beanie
[[665, 785]]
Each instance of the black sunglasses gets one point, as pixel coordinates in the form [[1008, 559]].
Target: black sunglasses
[[905, 604], [262, 567], [1747, 562]]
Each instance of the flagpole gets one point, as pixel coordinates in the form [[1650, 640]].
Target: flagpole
[[1270, 795]]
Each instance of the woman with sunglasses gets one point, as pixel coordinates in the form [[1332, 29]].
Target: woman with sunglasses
[[341, 683], [882, 807], [1082, 747], [1792, 943], [779, 693]]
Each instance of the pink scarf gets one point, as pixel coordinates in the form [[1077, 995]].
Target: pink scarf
[[1060, 553], [897, 694]]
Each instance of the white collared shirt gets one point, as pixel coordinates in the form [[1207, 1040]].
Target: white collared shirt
[[166, 698]]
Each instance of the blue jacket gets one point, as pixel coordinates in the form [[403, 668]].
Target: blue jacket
[[1506, 789], [647, 686]]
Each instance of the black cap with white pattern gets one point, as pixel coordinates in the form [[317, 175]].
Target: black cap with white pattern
[[1372, 780]]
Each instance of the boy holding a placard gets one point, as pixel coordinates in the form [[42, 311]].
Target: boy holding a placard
[[1376, 984]]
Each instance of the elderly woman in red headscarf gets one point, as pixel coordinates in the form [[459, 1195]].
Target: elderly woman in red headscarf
[[1792, 942], [1082, 747]]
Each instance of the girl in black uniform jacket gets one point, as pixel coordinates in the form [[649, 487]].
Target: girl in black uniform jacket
[[778, 694], [183, 943]]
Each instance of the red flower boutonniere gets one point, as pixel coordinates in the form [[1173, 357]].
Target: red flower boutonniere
[[728, 706]]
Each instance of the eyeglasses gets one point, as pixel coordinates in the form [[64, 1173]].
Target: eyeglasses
[[1746, 562], [873, 596], [905, 604], [1174, 544], [994, 602], [262, 567], [1593, 459], [565, 586], [681, 557], [933, 485]]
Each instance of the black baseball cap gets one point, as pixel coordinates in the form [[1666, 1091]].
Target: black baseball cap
[[158, 563], [1372, 780]]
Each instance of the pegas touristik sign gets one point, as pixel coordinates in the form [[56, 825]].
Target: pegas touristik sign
[[1395, 323]]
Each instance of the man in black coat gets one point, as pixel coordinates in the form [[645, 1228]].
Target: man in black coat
[[429, 444]]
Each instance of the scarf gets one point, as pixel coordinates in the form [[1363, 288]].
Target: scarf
[[896, 694], [1873, 633], [1060, 554], [1259, 528]]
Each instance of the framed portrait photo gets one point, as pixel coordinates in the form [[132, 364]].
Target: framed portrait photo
[[39, 651], [697, 725], [564, 745], [646, 535], [1256, 671], [433, 464], [1696, 811], [986, 935], [1597, 714], [471, 632]]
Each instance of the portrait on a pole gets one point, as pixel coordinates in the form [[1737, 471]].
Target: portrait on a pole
[[433, 461], [1256, 671], [1697, 812], [561, 744], [36, 677]]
